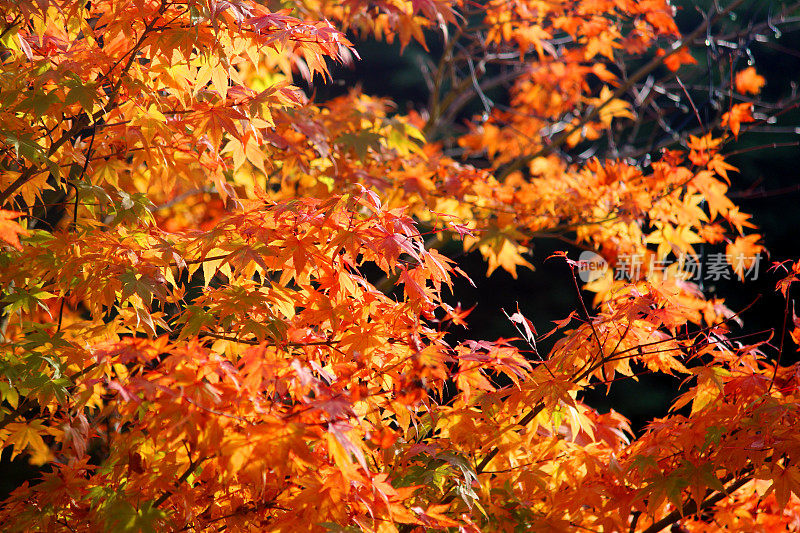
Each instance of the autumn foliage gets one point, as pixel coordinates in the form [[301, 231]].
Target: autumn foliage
[[227, 305]]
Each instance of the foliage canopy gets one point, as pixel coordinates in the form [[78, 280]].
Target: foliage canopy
[[226, 304]]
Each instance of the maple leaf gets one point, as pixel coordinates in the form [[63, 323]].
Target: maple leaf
[[681, 57], [749, 81], [603, 44], [795, 333], [612, 107], [785, 482], [527, 326], [457, 315], [505, 253], [22, 436], [743, 253], [738, 114], [11, 230]]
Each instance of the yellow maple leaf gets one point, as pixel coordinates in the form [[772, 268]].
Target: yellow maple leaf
[[612, 107], [504, 253], [603, 44], [28, 436]]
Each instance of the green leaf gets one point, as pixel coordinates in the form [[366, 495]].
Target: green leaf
[[122, 516], [132, 283], [24, 146], [80, 92], [194, 318], [26, 298], [132, 209]]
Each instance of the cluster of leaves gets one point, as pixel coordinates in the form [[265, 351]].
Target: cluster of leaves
[[225, 305]]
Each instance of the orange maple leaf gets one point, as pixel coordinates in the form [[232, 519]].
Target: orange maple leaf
[[795, 333], [10, 230], [743, 253], [748, 81], [681, 57], [739, 113]]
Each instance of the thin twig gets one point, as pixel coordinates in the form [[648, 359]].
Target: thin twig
[[652, 65], [691, 507], [256, 342]]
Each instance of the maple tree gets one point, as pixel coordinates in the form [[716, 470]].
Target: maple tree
[[226, 305]]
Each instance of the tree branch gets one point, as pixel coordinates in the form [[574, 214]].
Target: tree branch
[[652, 65], [691, 507], [256, 342], [189, 471]]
